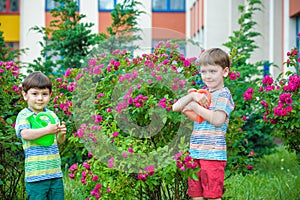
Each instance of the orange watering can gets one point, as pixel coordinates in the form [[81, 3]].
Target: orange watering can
[[191, 114], [37, 122]]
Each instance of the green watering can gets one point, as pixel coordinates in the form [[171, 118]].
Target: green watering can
[[37, 122]]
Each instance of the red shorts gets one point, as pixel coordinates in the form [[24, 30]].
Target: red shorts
[[211, 179]]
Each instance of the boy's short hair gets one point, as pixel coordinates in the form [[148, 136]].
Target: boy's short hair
[[214, 56], [37, 80]]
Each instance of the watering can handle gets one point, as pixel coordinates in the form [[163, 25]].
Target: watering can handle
[[49, 116]]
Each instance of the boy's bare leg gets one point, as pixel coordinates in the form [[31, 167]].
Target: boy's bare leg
[[198, 198]]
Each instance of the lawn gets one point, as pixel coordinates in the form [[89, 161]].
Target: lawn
[[274, 177]]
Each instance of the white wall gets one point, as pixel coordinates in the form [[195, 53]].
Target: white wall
[[90, 9], [31, 16], [216, 23], [145, 24]]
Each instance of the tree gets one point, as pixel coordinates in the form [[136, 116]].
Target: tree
[[67, 42]]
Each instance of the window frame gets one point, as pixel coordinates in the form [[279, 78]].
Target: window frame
[[106, 10], [48, 9], [7, 10], [168, 9]]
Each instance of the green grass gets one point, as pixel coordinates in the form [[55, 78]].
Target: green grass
[[275, 177], [73, 189]]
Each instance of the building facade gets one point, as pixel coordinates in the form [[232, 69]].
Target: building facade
[[211, 22], [208, 22]]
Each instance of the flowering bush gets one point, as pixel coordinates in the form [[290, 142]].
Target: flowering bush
[[278, 101], [12, 156], [118, 108]]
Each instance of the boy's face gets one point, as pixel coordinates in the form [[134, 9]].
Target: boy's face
[[213, 76], [37, 99]]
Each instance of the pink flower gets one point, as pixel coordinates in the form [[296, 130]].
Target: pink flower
[[130, 150], [124, 155], [71, 176], [244, 118], [95, 178], [166, 62], [90, 155], [150, 169], [232, 76], [186, 63], [268, 80], [264, 103], [83, 174], [98, 119], [68, 72], [175, 87], [115, 134], [178, 156], [86, 165], [110, 163], [249, 167], [92, 63], [100, 95], [142, 177], [83, 181], [117, 63], [73, 167]]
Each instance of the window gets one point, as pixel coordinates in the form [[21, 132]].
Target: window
[[50, 4], [9, 6], [168, 5], [108, 5]]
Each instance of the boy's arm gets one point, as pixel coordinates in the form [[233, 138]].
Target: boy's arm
[[32, 134], [61, 135], [193, 96], [216, 118]]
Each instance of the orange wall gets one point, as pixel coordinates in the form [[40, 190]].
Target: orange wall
[[105, 20], [294, 8], [192, 25], [201, 13], [168, 26], [197, 17]]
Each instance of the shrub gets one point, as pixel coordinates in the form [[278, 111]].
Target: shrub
[[12, 156], [121, 110], [278, 102]]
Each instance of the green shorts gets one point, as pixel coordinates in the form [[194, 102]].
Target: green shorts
[[51, 189]]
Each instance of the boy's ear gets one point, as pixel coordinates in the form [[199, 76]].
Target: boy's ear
[[225, 72], [24, 95]]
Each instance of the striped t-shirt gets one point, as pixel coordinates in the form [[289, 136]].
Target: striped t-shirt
[[41, 162], [207, 141]]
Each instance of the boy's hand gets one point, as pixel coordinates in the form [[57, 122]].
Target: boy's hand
[[52, 128], [61, 136], [190, 106], [200, 98], [63, 128]]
